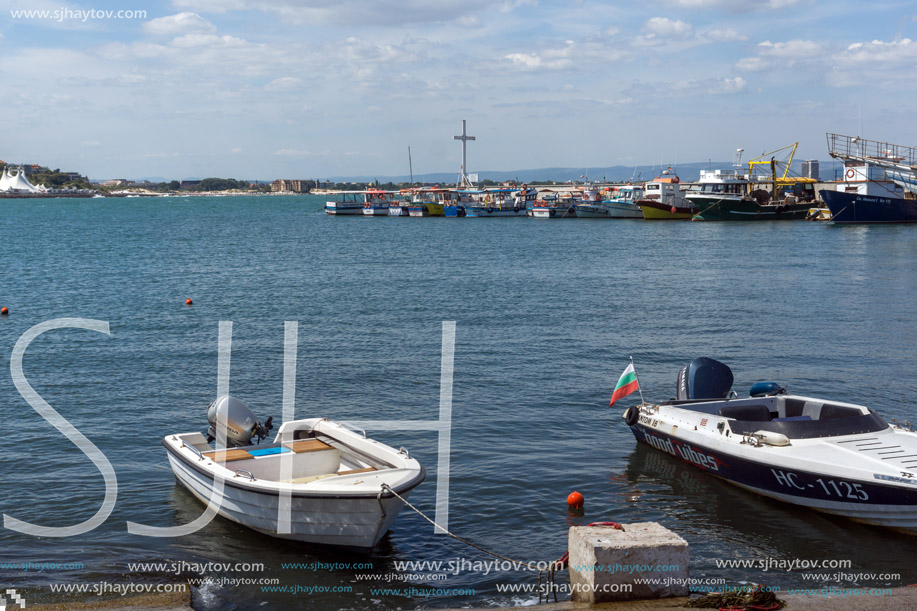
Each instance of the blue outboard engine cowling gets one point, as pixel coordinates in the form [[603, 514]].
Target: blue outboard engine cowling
[[703, 378]]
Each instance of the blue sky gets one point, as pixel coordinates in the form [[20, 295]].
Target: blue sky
[[314, 88]]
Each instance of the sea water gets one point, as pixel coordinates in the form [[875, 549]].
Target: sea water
[[548, 314]]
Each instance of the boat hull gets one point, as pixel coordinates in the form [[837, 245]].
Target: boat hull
[[884, 505], [727, 209], [376, 211], [355, 523], [856, 208], [554, 212], [592, 211], [337, 209], [658, 211], [434, 209], [496, 211]]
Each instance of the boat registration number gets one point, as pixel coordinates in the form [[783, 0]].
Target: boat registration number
[[648, 421], [831, 487]]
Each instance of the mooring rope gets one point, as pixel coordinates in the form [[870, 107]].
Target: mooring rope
[[534, 567]]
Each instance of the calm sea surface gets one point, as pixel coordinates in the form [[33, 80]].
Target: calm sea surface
[[547, 314]]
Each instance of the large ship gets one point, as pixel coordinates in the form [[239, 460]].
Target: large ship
[[879, 182], [728, 195]]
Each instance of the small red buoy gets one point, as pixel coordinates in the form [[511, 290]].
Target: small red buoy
[[188, 301], [575, 500], [4, 311]]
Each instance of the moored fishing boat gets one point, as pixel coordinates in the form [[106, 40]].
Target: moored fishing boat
[[664, 200], [727, 195], [553, 206], [339, 482], [350, 204], [377, 202], [835, 457], [878, 184], [502, 202], [593, 204], [621, 201]]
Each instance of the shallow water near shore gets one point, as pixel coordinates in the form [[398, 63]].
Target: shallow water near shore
[[547, 314]]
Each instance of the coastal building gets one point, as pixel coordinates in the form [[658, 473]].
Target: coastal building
[[810, 168], [115, 182], [286, 185]]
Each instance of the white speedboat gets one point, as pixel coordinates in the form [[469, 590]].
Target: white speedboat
[[334, 477], [835, 457]]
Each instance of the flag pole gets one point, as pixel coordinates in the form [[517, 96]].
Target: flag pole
[[640, 390]]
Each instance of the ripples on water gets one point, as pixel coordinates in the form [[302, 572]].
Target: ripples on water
[[547, 313]]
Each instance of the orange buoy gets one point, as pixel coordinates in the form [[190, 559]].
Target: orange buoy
[[188, 301], [575, 500], [4, 311]]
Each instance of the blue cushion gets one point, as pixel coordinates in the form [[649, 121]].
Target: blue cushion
[[268, 451], [790, 419]]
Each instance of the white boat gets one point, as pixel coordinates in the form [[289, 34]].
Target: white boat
[[350, 204], [835, 457], [500, 202], [592, 205], [553, 206], [663, 199], [621, 202], [334, 477]]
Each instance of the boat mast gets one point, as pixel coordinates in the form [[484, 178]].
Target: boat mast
[[410, 167], [463, 177]]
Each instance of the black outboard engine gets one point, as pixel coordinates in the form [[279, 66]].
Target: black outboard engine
[[703, 378], [241, 424]]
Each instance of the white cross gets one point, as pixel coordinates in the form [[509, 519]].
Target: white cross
[[464, 138]]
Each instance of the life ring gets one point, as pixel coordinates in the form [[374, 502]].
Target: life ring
[[598, 197], [631, 415], [851, 173], [674, 209], [552, 212]]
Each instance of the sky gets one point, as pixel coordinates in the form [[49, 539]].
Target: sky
[[265, 89]]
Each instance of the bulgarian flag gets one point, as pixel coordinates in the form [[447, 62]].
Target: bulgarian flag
[[627, 384]]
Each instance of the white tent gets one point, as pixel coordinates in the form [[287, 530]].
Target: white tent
[[16, 183]]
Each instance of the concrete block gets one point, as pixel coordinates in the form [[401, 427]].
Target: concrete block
[[605, 562]]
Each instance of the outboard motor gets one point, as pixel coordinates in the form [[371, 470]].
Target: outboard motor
[[703, 378], [241, 423]]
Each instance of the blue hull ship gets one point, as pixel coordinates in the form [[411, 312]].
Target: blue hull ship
[[879, 183], [856, 208]]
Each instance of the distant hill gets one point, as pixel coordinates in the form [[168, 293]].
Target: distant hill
[[688, 172]]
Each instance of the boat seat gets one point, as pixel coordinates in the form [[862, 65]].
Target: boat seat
[[227, 455], [792, 419], [829, 412], [752, 413], [307, 445]]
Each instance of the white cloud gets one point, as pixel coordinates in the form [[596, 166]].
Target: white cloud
[[180, 23], [285, 83], [738, 6], [531, 61], [782, 55], [732, 85], [723, 35], [899, 52], [236, 150], [663, 27], [890, 65], [396, 13], [792, 49]]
